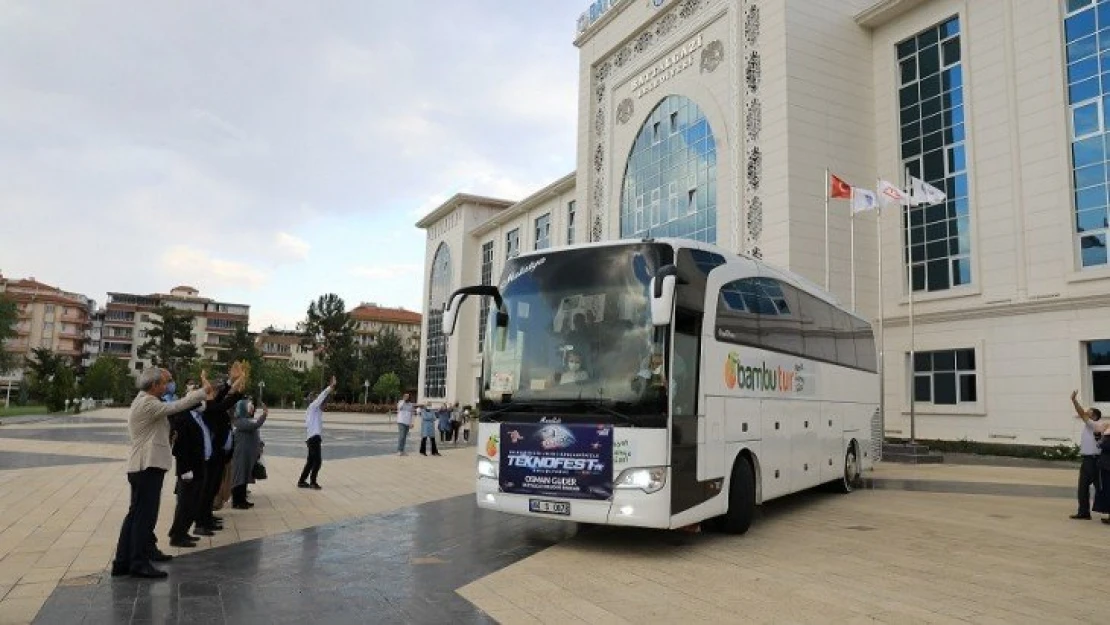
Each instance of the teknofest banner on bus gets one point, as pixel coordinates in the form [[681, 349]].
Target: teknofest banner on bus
[[554, 460]]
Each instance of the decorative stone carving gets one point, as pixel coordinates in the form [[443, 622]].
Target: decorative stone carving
[[755, 167], [599, 158], [753, 118], [599, 121], [753, 71], [666, 24], [689, 7], [599, 92], [625, 110], [712, 55], [756, 252], [643, 41], [602, 71], [751, 24], [755, 218], [623, 57], [595, 229]]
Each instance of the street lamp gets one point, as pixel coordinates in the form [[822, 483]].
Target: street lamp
[[365, 390], [261, 385]]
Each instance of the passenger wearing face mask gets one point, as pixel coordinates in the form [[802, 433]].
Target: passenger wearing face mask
[[574, 372], [1089, 469]]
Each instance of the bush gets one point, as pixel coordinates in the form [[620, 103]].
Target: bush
[[965, 446], [360, 408]]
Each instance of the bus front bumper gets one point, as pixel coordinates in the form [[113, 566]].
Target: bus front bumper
[[633, 508]]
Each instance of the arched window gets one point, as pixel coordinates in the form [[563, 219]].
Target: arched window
[[435, 359], [670, 179]]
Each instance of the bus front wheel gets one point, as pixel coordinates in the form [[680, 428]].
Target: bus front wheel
[[741, 499], [851, 477]]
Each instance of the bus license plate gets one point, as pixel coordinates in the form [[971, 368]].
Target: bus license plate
[[549, 507]]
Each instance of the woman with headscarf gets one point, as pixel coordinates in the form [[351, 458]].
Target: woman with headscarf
[[248, 447]]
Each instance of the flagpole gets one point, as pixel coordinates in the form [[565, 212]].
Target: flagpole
[[882, 328], [909, 267], [852, 243], [825, 192]]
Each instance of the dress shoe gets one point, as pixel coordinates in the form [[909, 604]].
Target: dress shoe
[[203, 531], [118, 571], [1081, 517], [149, 572], [315, 487], [183, 543], [242, 506], [217, 519], [303, 485], [160, 557]]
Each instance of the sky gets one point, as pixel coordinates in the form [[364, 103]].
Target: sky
[[269, 152]]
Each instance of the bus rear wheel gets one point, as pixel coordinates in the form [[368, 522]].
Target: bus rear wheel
[[851, 477], [741, 499]]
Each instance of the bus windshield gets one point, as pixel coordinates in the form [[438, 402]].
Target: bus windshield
[[579, 329]]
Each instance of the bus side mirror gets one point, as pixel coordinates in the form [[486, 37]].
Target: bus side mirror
[[662, 295], [451, 313]]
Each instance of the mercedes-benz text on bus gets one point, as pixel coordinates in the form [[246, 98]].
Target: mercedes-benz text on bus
[[664, 382]]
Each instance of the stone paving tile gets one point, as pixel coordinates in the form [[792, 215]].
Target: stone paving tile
[[923, 557]]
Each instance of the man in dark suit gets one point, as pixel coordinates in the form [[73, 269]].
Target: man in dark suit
[[217, 418], [191, 445]]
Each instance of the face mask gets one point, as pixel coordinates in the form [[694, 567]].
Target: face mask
[[574, 366], [171, 388]]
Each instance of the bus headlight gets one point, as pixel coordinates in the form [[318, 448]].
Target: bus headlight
[[647, 479], [487, 468]]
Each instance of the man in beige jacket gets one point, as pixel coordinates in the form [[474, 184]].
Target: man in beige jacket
[[150, 458]]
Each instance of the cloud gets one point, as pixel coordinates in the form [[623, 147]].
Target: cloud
[[290, 246], [194, 266], [386, 271]]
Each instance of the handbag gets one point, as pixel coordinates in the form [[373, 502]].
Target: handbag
[[259, 471]]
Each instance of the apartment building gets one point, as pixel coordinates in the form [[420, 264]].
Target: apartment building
[[716, 119], [48, 317], [285, 346], [129, 317], [371, 320]]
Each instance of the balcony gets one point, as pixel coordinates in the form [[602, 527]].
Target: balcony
[[16, 345], [22, 329]]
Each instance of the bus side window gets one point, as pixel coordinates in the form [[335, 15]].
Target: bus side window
[[736, 322], [845, 339], [818, 328], [865, 346]]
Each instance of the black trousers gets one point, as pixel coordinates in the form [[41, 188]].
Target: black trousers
[[189, 499], [455, 425], [239, 494], [1088, 475], [213, 477], [423, 444], [134, 547], [314, 461]]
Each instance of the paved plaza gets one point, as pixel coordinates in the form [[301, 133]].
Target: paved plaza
[[399, 540]]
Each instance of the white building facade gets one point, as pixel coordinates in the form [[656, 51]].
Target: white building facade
[[715, 120]]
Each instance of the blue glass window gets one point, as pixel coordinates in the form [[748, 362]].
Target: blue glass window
[[670, 178], [487, 278], [435, 359], [1087, 47], [930, 95]]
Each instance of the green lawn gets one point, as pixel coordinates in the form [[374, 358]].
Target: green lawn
[[16, 411]]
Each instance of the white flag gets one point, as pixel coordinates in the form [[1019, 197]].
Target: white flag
[[890, 194], [925, 193], [863, 200]]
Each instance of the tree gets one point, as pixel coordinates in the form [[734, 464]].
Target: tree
[[388, 355], [282, 382], [108, 378], [388, 387], [52, 378], [170, 342], [8, 318], [242, 347], [330, 330]]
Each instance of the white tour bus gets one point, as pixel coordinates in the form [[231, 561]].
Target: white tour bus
[[665, 382]]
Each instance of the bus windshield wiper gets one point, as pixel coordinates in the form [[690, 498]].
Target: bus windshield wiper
[[598, 405]]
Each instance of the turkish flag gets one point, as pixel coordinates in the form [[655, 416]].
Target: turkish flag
[[839, 189]]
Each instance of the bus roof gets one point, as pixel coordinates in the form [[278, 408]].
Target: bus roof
[[730, 256]]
